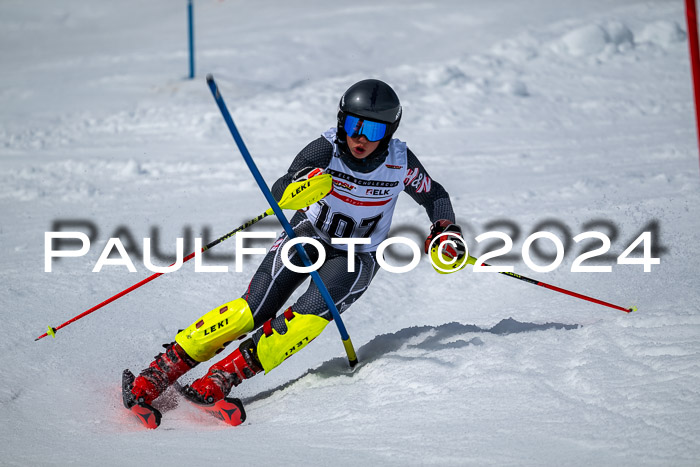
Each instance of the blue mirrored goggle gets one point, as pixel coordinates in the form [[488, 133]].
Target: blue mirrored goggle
[[373, 131]]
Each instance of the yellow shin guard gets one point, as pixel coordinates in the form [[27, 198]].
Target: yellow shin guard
[[208, 335], [274, 348]]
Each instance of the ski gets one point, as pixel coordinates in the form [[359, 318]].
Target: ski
[[146, 414], [228, 410]]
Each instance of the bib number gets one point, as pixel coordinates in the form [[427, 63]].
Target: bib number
[[343, 226]]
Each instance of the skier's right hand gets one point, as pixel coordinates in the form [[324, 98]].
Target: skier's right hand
[[306, 173], [445, 231]]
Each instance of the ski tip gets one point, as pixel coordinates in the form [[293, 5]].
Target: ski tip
[[147, 415], [229, 410]]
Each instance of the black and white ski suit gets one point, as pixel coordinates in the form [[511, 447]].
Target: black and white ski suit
[[361, 204]]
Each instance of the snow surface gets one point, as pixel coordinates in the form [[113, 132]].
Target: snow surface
[[579, 112]]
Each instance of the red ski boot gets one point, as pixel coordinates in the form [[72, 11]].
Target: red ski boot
[[161, 373], [241, 364]]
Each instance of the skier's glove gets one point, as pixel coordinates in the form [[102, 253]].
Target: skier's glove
[[454, 249], [302, 178], [306, 173]]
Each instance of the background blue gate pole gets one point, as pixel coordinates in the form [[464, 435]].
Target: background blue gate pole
[[190, 28]]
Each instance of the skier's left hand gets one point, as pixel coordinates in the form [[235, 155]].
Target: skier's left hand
[[306, 173], [454, 249]]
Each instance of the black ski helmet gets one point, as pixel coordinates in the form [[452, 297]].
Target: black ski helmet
[[374, 100]]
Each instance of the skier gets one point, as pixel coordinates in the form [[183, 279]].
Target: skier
[[369, 169]]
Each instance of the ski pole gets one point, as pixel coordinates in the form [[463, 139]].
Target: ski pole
[[297, 196], [347, 343], [472, 260]]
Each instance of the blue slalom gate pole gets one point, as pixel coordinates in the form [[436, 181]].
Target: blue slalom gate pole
[[190, 28], [347, 343]]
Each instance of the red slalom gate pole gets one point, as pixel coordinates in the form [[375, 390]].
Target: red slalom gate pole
[[692, 19]]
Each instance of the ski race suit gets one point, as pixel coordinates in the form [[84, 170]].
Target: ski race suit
[[361, 204]]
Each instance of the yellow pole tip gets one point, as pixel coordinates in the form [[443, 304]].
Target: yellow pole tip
[[631, 309], [51, 332]]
